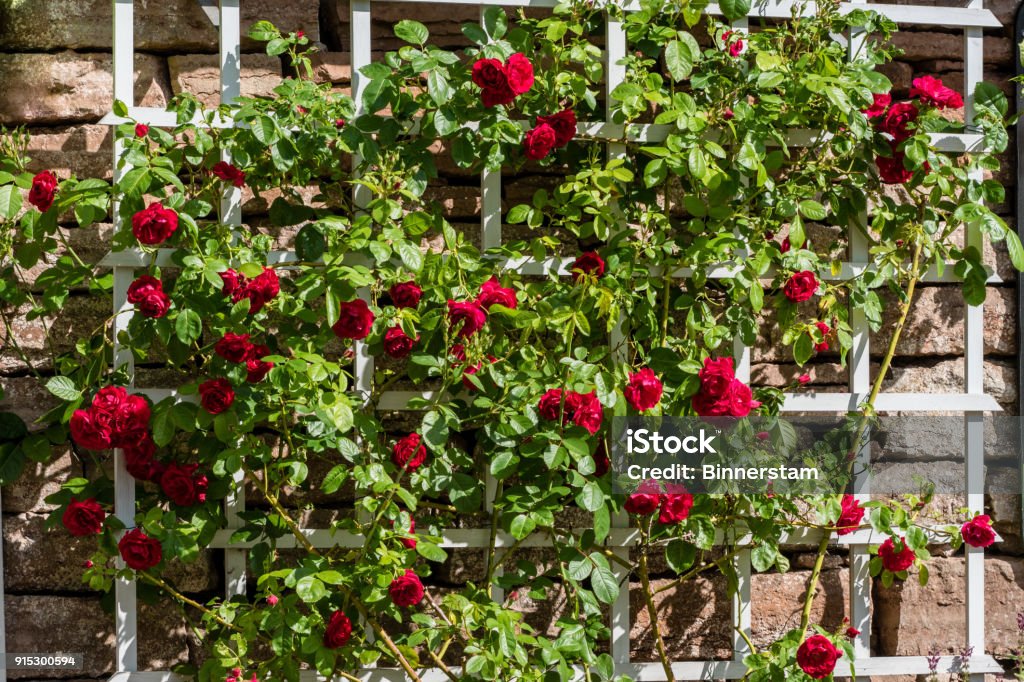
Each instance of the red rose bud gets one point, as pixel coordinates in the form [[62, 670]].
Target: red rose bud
[[675, 505], [930, 90], [896, 561], [645, 500], [978, 531], [467, 317], [139, 551], [644, 390], [43, 191], [539, 142], [182, 486], [154, 225], [338, 632], [87, 564], [491, 293], [234, 347], [406, 590], [405, 294], [216, 395], [300, 34], [804, 379], [256, 369], [801, 286], [409, 452], [355, 319], [141, 130], [272, 600], [825, 331], [850, 516], [339, 123], [564, 125], [588, 263], [728, 114], [229, 173], [147, 294], [397, 344], [83, 518], [817, 656], [880, 104], [852, 632]]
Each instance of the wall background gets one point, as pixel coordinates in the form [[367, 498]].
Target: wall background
[[55, 79]]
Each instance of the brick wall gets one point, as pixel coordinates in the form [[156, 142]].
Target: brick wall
[[55, 78]]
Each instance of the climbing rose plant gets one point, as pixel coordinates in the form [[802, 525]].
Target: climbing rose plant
[[523, 374]]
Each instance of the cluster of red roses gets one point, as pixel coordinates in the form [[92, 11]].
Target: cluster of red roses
[[556, 130], [582, 409], [895, 120], [260, 290], [138, 550], [674, 502], [43, 190], [502, 83], [147, 294], [114, 419], [721, 394], [238, 349]]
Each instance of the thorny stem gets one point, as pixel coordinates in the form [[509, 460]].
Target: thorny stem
[[158, 582], [868, 409], [652, 611]]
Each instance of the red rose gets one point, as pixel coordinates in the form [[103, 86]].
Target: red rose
[[878, 107], [473, 369], [44, 189], [139, 551], [645, 500], [492, 97], [539, 142], [397, 343], [786, 246], [338, 632], [978, 531], [147, 293], [492, 292], [564, 125], [83, 518], [139, 460], [491, 77], [728, 114], [409, 453], [255, 367], [233, 282], [216, 395], [181, 484], [896, 120], [801, 286], [88, 431], [228, 173], [130, 422], [260, 290], [896, 561], [588, 412], [406, 589], [405, 294], [154, 225], [141, 130], [588, 263], [721, 393], [817, 656], [355, 319], [891, 169], [467, 316], [519, 72], [735, 46], [850, 516], [550, 404], [234, 347], [930, 90], [644, 390], [675, 505], [825, 331]]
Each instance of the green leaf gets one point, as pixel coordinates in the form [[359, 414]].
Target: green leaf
[[264, 130], [310, 243], [63, 388], [696, 163], [678, 60], [495, 22], [412, 31], [803, 349], [431, 552], [1016, 251], [796, 232], [10, 201], [734, 9], [604, 585], [521, 526], [590, 497], [334, 479], [12, 461], [12, 427], [310, 589], [655, 173], [263, 31], [411, 256], [188, 326], [680, 555], [811, 210], [437, 86]]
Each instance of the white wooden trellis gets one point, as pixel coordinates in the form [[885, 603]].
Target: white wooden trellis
[[973, 401]]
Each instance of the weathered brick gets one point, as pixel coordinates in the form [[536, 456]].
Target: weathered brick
[[199, 74], [85, 151]]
